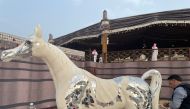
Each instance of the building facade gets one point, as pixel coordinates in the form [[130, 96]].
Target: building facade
[[9, 41], [168, 29]]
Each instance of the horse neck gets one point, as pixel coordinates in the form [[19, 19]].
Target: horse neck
[[61, 67]]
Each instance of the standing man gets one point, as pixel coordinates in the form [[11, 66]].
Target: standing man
[[95, 54], [154, 52], [181, 94]]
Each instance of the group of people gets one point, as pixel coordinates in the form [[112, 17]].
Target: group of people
[[154, 54], [95, 55]]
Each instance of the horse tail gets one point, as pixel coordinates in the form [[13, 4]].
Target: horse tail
[[155, 86]]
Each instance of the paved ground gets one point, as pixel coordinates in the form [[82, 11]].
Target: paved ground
[[161, 105]]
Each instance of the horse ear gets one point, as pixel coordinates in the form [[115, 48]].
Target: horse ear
[[38, 32]]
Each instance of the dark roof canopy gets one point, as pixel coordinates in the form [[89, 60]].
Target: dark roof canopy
[[168, 29]]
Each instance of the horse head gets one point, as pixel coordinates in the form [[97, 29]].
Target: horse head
[[28, 48]]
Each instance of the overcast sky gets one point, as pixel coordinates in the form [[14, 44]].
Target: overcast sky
[[60, 17]]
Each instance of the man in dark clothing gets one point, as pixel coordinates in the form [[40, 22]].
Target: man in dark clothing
[[181, 94]]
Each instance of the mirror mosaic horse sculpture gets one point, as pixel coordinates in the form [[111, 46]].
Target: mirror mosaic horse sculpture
[[78, 89]]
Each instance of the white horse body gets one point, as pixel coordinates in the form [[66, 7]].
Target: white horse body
[[78, 89], [106, 89]]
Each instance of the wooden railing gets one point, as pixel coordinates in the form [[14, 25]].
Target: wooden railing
[[164, 54]]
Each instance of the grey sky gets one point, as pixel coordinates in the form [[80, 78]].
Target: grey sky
[[60, 17]]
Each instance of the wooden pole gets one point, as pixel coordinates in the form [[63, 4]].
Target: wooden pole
[[104, 47]]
